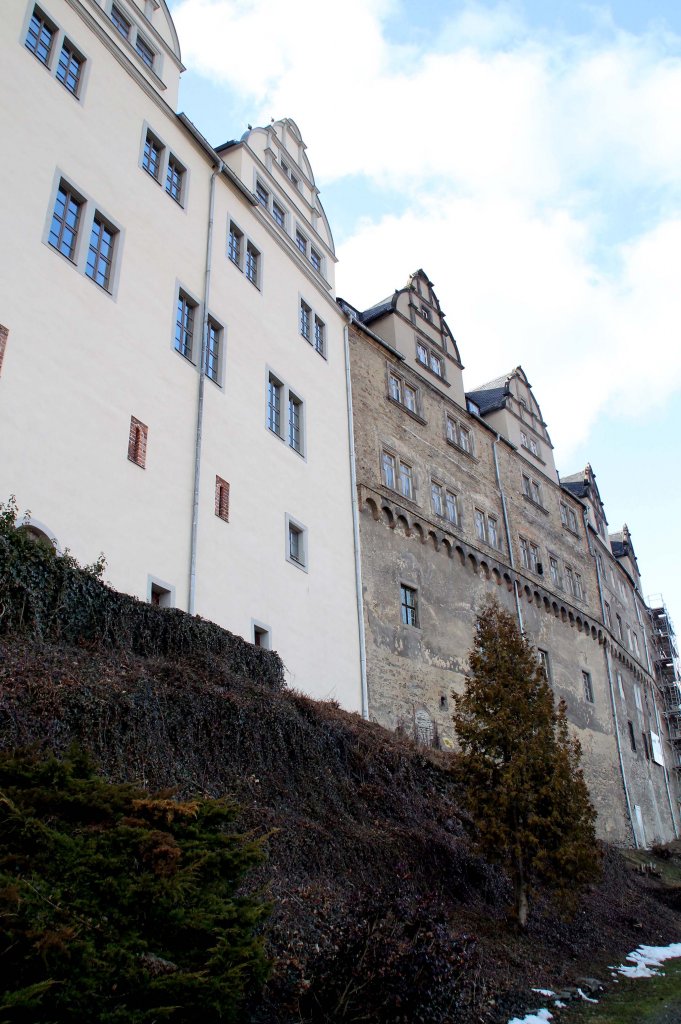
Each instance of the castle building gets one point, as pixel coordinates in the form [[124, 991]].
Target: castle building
[[180, 388], [172, 378], [460, 498]]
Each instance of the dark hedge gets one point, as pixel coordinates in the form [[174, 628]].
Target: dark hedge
[[51, 598]]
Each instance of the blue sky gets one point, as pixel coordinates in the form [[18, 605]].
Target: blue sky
[[527, 156]]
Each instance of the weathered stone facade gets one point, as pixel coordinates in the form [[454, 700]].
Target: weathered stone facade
[[459, 498]]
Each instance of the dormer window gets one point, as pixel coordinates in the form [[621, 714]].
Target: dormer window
[[429, 359], [529, 443]]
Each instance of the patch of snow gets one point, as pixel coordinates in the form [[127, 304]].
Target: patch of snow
[[544, 991], [538, 1017], [646, 960], [559, 1005], [586, 998]]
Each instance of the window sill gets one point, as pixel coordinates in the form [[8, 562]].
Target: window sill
[[443, 380], [404, 408], [535, 504], [574, 533], [469, 455]]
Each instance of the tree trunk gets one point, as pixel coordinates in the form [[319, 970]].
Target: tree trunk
[[520, 893]]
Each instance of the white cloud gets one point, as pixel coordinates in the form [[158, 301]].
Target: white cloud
[[523, 160]]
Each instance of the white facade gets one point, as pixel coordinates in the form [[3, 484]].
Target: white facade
[[89, 116]]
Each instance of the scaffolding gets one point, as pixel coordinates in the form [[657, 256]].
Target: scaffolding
[[667, 670]]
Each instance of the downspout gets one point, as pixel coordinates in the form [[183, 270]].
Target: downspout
[[191, 602], [355, 527], [611, 688], [504, 512], [657, 715]]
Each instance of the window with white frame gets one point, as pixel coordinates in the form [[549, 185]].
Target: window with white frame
[[409, 609], [398, 475], [529, 555], [285, 413], [312, 327], [544, 663], [452, 507], [235, 245], [163, 166], [570, 579], [252, 264], [528, 442], [145, 51], [214, 332], [402, 392], [487, 529], [568, 517], [75, 219], [459, 435], [480, 526], [131, 34], [554, 569], [175, 178], [70, 67], [296, 543], [532, 490], [99, 264], [588, 687], [493, 532], [430, 359], [437, 498], [319, 335], [579, 587], [40, 36], [185, 323]]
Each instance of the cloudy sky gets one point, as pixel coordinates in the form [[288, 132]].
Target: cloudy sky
[[527, 155]]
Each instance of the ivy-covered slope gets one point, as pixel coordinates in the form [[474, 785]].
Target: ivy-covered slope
[[382, 910]]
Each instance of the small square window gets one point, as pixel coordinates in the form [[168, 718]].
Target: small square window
[[65, 224], [253, 264], [121, 22], [184, 325], [409, 606], [40, 36], [175, 179], [137, 442], [235, 244], [70, 67], [101, 252], [145, 51], [296, 550], [262, 638], [152, 156], [221, 499], [588, 688]]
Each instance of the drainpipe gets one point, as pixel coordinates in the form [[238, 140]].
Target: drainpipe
[[504, 512], [191, 602], [355, 527], [611, 688]]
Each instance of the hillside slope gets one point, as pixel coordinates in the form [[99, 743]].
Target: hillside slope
[[383, 911]]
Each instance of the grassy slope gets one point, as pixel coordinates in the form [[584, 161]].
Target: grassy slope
[[382, 905]]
